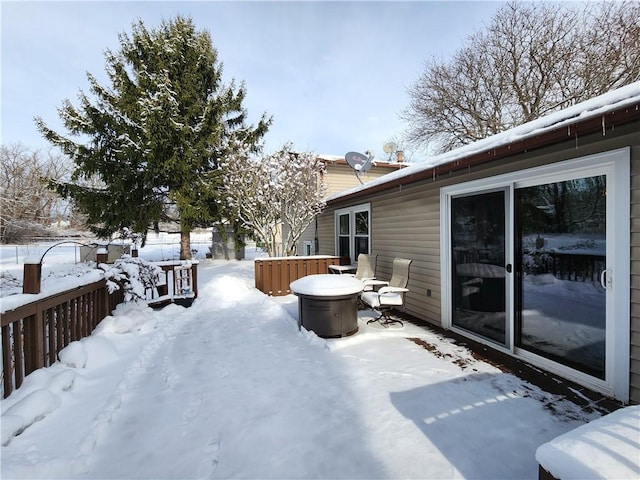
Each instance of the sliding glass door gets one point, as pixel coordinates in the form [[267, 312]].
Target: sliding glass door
[[560, 243], [537, 264], [561, 249]]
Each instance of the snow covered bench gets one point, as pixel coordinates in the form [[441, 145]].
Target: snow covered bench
[[608, 447]]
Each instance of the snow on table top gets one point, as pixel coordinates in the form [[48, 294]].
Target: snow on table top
[[608, 447], [326, 285]]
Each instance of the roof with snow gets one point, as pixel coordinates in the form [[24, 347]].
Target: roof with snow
[[599, 113], [339, 159]]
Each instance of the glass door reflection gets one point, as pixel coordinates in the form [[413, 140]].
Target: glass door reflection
[[561, 251], [478, 264]]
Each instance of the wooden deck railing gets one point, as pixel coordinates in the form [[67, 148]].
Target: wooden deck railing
[[33, 334], [273, 275]]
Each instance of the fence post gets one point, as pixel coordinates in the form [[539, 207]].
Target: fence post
[[257, 274], [34, 338], [194, 278], [32, 274], [105, 307], [102, 255]]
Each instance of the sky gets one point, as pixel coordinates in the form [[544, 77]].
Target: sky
[[333, 75], [231, 388]]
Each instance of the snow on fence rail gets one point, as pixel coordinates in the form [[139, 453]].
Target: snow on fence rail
[[34, 333]]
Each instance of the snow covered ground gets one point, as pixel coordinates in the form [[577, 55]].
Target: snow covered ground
[[229, 388]]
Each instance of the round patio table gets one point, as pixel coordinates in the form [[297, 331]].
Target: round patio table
[[328, 304]]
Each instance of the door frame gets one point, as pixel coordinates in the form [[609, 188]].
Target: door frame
[[616, 165]]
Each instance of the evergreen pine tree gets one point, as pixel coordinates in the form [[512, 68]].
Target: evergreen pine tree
[[148, 147]]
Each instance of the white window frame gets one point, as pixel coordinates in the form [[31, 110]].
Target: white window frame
[[616, 165], [351, 211]]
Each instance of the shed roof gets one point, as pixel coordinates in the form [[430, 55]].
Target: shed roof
[[603, 113]]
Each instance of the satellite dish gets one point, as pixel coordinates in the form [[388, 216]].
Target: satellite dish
[[389, 147], [359, 162]]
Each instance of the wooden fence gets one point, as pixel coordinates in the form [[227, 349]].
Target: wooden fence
[[33, 334], [274, 275]]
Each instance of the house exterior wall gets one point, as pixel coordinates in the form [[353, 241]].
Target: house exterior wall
[[635, 274], [406, 223], [309, 235], [339, 176]]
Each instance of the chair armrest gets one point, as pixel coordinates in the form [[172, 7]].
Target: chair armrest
[[374, 281], [389, 289]]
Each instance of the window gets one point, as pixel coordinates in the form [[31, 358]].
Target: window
[[353, 231], [308, 248], [344, 235]]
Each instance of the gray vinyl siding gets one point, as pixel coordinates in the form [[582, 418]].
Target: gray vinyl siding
[[416, 211], [308, 235], [634, 380], [406, 223], [326, 238]]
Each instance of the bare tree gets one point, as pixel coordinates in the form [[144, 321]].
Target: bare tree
[[532, 59], [26, 204], [276, 196]]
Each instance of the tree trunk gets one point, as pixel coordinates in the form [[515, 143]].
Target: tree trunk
[[185, 242]]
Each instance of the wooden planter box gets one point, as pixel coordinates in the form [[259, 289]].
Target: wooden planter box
[[274, 275]]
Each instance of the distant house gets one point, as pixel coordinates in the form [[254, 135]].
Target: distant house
[[339, 176], [527, 241]]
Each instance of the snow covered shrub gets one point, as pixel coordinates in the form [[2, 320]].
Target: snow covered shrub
[[133, 275], [537, 262]]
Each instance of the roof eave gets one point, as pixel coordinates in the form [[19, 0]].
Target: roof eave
[[604, 122]]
